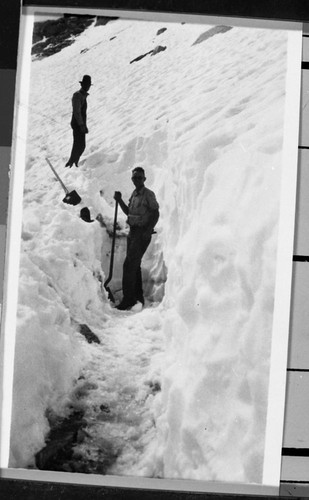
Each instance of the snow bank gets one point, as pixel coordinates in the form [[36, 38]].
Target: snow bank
[[58, 287], [221, 284]]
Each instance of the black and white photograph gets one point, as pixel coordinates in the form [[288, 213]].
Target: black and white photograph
[[158, 183]]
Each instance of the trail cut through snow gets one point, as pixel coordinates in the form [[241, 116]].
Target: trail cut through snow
[[116, 393]]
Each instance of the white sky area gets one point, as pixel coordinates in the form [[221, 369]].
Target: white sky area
[[186, 380]]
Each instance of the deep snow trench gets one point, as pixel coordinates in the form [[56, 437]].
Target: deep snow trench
[[117, 391], [110, 419]]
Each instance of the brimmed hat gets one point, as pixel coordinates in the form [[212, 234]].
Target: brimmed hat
[[85, 214], [86, 79]]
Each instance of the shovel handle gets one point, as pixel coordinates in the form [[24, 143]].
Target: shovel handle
[[112, 249], [49, 163]]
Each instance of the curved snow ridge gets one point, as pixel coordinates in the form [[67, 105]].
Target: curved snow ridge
[[221, 282]]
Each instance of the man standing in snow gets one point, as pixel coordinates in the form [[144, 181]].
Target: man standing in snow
[[79, 121], [143, 214]]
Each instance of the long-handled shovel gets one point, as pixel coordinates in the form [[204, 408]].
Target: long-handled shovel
[[72, 198], [111, 265]]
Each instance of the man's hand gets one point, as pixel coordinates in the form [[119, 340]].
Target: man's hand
[[118, 196], [123, 206], [147, 233], [83, 129]]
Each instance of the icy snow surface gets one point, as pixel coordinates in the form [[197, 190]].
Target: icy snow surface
[[178, 390]]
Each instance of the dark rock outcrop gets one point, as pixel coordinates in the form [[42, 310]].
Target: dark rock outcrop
[[212, 32], [153, 52], [88, 334], [51, 36]]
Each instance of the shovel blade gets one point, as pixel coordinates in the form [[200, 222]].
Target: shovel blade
[[72, 198], [110, 295]]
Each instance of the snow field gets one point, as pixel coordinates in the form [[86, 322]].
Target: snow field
[[206, 122]]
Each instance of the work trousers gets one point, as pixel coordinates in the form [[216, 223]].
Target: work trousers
[[79, 145], [132, 275]]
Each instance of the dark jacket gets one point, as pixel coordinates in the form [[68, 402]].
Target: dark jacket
[[79, 104]]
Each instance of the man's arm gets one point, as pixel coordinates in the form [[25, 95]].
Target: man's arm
[[123, 206], [77, 111], [77, 106], [153, 212], [153, 218]]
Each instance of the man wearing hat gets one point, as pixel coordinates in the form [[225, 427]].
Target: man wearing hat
[[143, 214], [79, 121]]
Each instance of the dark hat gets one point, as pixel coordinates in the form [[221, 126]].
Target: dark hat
[[86, 79], [85, 214]]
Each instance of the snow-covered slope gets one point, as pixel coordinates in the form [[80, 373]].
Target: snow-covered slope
[[204, 116]]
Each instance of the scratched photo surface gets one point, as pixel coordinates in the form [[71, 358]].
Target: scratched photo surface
[[177, 388]]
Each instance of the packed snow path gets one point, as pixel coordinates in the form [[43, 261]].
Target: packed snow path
[[115, 391]]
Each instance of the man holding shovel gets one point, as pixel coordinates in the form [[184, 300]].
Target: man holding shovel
[[143, 214], [79, 121]]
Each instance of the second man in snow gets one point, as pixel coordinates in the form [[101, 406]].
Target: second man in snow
[[143, 214]]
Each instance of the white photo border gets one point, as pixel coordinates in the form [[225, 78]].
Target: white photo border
[[277, 387]]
